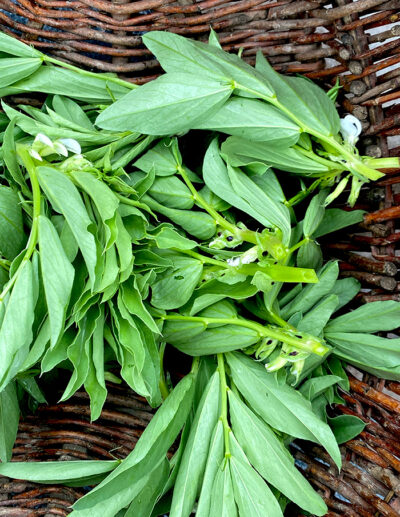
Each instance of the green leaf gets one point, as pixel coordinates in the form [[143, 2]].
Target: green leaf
[[222, 496], [170, 104], [314, 321], [241, 151], [312, 293], [315, 386], [335, 219], [346, 427], [15, 47], [314, 214], [115, 492], [170, 191], [133, 302], [56, 80], [143, 504], [174, 287], [9, 419], [194, 458], [65, 199], [12, 237], [371, 317], [70, 110], [10, 158], [280, 406], [303, 98], [57, 472], [310, 255], [214, 460], [16, 324], [58, 276], [345, 289], [366, 350], [275, 463], [252, 495], [166, 237], [14, 69], [160, 157], [254, 120], [176, 53], [198, 224], [215, 340]]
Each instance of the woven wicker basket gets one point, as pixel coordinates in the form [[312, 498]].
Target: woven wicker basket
[[357, 40]]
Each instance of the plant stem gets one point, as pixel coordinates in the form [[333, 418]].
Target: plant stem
[[109, 79], [302, 341], [203, 259], [339, 167], [33, 236], [224, 404], [382, 163]]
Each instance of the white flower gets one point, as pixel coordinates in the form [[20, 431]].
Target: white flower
[[43, 146], [350, 127], [72, 145], [234, 262]]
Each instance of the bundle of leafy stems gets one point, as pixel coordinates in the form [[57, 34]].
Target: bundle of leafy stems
[[136, 221]]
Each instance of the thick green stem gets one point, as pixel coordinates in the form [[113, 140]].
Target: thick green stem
[[106, 78], [203, 259], [33, 236], [297, 339], [5, 264], [224, 404], [382, 163]]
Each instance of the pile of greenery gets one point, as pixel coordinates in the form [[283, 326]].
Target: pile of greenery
[[183, 214]]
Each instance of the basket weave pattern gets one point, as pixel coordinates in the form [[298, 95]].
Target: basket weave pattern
[[357, 41]]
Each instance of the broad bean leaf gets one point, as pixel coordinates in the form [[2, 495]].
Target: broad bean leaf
[[194, 457], [314, 321], [222, 497], [65, 199], [304, 99], [279, 405], [12, 237], [371, 317], [14, 69], [253, 120], [56, 472], [174, 287], [315, 386], [176, 53], [16, 325], [170, 104], [10, 158], [71, 110], [368, 351], [166, 238], [241, 151], [345, 289], [237, 189], [170, 191], [9, 419], [312, 293], [160, 158], [113, 493], [252, 494], [216, 340], [335, 219], [275, 463], [196, 223], [310, 255], [15, 47], [314, 214], [346, 427], [214, 460], [143, 503], [58, 81], [58, 276]]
